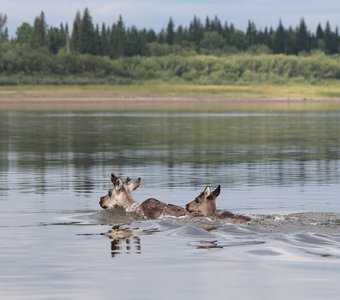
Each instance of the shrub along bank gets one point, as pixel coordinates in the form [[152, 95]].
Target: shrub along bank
[[26, 66]]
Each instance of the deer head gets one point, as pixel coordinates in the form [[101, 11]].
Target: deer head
[[205, 203], [120, 194]]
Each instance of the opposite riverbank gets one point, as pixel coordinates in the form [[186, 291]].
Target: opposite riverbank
[[155, 96]]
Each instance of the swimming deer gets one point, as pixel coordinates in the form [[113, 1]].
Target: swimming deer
[[203, 205], [121, 195]]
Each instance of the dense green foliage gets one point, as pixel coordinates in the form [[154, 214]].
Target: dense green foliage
[[22, 65], [205, 53]]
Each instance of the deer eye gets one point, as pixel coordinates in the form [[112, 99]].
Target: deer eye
[[110, 193]]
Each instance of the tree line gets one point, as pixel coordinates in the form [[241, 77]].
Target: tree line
[[210, 36], [89, 53]]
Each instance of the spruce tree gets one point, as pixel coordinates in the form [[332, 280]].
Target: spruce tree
[[76, 40], [217, 25], [279, 39], [87, 44], [97, 42], [56, 39], [180, 35], [3, 28], [196, 32], [151, 36], [67, 39], [105, 40], [319, 32], [251, 33], [336, 43], [118, 36], [291, 46], [170, 33], [302, 37], [40, 31], [319, 38], [135, 42], [328, 39], [208, 26]]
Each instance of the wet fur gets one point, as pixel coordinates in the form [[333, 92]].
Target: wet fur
[[230, 215], [153, 209]]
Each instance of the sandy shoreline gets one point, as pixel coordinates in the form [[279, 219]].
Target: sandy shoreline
[[89, 100]]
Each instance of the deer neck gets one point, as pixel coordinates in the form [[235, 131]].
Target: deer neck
[[130, 205]]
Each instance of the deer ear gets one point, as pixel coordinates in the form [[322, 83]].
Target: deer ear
[[118, 184], [217, 191], [114, 178], [136, 183], [207, 191], [127, 180]]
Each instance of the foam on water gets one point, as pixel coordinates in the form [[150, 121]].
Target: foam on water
[[314, 221]]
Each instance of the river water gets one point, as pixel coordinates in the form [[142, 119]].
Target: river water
[[281, 168]]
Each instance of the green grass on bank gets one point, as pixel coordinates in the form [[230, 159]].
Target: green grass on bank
[[328, 89]]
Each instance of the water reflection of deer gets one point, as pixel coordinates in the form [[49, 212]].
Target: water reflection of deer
[[124, 240]]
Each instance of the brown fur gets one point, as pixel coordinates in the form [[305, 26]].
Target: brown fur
[[153, 209], [230, 215]]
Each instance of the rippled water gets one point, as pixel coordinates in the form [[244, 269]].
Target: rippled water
[[282, 169]]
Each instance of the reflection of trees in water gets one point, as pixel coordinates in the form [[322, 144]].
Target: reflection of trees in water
[[76, 151], [4, 168], [4, 154], [4, 179]]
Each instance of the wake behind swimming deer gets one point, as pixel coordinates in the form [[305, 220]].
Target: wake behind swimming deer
[[121, 196]]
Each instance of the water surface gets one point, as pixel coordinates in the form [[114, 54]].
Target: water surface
[[281, 168]]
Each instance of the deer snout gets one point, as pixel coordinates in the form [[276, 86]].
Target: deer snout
[[102, 203], [103, 206], [187, 207]]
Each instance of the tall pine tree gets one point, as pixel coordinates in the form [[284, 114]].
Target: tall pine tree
[[196, 32], [40, 32], [3, 28], [76, 40], [251, 33], [118, 37], [319, 37], [302, 38], [279, 43], [87, 34], [170, 33]]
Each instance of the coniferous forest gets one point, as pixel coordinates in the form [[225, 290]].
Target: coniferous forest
[[204, 51]]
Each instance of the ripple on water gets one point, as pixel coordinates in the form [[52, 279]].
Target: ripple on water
[[310, 233]]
